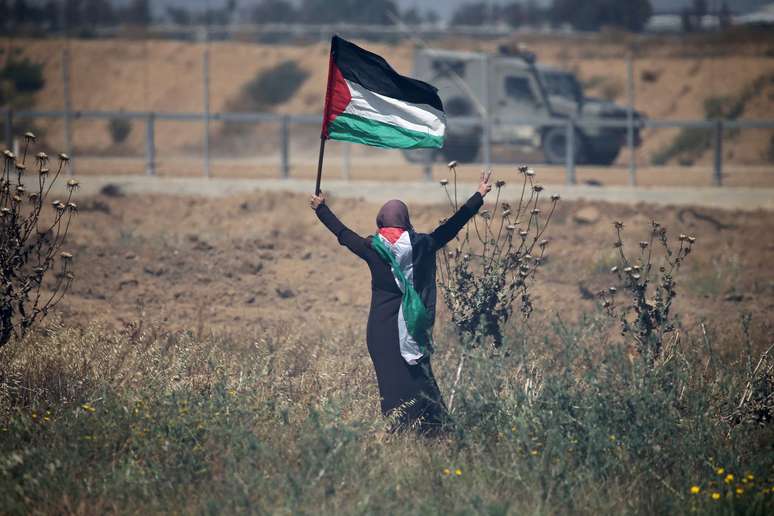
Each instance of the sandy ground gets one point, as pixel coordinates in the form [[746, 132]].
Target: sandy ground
[[392, 167], [244, 261], [728, 198]]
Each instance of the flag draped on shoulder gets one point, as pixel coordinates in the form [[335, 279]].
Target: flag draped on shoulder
[[368, 102], [414, 321]]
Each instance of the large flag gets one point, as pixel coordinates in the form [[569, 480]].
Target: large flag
[[368, 102]]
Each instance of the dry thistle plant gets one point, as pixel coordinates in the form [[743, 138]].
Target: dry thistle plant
[[493, 262], [31, 240], [756, 403], [645, 315]]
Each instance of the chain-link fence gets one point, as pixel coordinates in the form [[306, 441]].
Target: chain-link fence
[[164, 107]]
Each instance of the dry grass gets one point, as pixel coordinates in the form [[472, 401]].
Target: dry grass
[[211, 358]]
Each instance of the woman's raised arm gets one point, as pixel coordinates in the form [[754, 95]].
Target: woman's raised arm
[[449, 229], [345, 236]]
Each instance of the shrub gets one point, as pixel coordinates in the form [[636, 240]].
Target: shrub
[[274, 86], [689, 143], [27, 77], [484, 270], [645, 313], [492, 263], [30, 241], [119, 128]]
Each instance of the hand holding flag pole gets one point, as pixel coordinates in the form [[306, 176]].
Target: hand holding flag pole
[[319, 164]]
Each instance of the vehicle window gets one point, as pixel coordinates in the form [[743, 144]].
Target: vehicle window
[[519, 89], [444, 67], [562, 84]]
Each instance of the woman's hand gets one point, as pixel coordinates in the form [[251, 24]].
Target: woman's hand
[[485, 186], [316, 200]]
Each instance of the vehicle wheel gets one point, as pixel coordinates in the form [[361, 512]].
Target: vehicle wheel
[[463, 149], [420, 156], [603, 156], [555, 145]]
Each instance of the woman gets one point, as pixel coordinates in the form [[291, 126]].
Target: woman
[[403, 298]]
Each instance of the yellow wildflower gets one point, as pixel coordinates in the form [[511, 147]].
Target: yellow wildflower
[[750, 476], [695, 489], [720, 471], [729, 478], [739, 490], [716, 496], [446, 472], [458, 472], [88, 408]]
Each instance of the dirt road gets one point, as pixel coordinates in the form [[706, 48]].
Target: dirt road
[[728, 198]]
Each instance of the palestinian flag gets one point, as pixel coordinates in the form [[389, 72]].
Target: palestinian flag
[[414, 321], [368, 102]]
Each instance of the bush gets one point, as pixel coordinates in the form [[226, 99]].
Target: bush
[[27, 77], [119, 128], [31, 237], [690, 141], [274, 86]]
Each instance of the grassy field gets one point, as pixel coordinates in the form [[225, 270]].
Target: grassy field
[[211, 358]]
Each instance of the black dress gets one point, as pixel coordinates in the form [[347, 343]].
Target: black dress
[[411, 389]]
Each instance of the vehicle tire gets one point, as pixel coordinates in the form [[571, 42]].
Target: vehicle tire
[[603, 156], [554, 144], [461, 148], [462, 145], [420, 156], [459, 106]]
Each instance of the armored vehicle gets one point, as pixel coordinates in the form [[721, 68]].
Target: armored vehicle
[[511, 86]]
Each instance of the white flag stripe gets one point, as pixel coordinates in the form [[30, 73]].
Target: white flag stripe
[[417, 117]]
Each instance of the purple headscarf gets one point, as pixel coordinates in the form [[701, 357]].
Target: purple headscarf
[[394, 214]]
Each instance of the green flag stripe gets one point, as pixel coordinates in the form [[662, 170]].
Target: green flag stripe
[[357, 129]]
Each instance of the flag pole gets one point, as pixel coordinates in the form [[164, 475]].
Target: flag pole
[[320, 164]]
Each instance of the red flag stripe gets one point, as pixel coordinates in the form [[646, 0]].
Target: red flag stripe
[[337, 96]]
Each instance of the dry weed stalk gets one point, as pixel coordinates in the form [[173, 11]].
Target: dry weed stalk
[[30, 245], [645, 319], [484, 270], [756, 404], [493, 262]]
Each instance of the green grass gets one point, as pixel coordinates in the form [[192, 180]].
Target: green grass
[[562, 420]]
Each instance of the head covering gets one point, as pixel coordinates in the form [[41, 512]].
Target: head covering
[[394, 214]]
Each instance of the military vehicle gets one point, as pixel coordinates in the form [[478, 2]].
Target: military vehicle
[[510, 86]]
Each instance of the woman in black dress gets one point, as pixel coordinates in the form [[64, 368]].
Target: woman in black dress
[[402, 264]]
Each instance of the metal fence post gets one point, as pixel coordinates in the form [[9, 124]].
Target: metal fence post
[[718, 169], [8, 129], [486, 142], [150, 145], [427, 167], [284, 137], [570, 152], [67, 108], [630, 119], [346, 158], [206, 78]]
